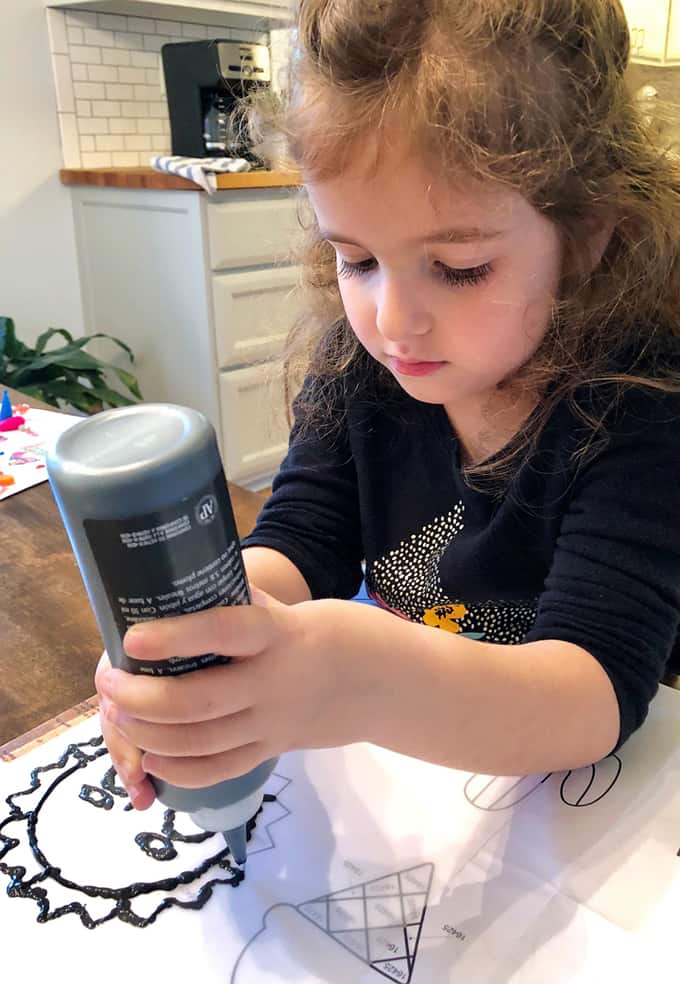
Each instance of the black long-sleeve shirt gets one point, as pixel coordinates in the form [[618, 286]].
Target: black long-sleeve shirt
[[585, 552]]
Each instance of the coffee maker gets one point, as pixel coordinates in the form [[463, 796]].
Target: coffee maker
[[204, 81]]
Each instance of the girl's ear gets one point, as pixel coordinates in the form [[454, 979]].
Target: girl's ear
[[598, 232]]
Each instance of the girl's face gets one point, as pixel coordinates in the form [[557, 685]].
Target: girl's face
[[449, 287]]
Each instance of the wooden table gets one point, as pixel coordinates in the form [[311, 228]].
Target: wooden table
[[49, 641]]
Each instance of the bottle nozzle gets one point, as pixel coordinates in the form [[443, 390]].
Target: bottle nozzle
[[236, 842]]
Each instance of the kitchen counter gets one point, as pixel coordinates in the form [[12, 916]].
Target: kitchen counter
[[147, 177]]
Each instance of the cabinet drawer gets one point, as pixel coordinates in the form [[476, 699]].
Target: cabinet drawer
[[247, 231], [254, 422], [253, 312]]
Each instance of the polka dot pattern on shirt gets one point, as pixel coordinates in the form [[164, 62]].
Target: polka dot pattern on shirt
[[407, 580]]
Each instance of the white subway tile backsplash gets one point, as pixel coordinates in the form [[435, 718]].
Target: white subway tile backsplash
[[123, 125], [135, 110], [109, 84], [89, 90], [63, 83], [81, 18], [87, 55], [195, 31], [94, 125], [116, 56], [143, 59], [103, 38], [154, 42], [108, 142], [112, 22], [105, 108], [138, 142], [144, 92], [126, 158], [169, 27], [120, 91], [96, 160], [133, 76], [142, 24], [132, 42], [56, 31], [102, 73]]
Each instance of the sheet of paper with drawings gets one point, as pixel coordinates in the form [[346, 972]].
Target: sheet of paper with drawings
[[22, 452], [363, 865]]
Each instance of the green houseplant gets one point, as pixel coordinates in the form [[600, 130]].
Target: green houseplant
[[66, 374]]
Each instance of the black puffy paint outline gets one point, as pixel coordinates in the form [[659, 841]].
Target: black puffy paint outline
[[33, 889], [497, 805]]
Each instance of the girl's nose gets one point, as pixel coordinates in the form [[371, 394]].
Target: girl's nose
[[399, 315]]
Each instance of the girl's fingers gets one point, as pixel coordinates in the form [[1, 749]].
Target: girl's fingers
[[194, 773], [127, 761], [237, 630], [187, 740], [125, 755], [215, 692]]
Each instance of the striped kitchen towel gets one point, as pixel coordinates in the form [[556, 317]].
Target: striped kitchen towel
[[202, 170]]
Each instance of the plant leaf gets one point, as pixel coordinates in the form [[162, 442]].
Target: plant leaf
[[64, 373], [46, 335], [85, 339], [116, 341], [73, 393], [107, 395], [69, 357], [9, 343], [39, 393], [129, 380]]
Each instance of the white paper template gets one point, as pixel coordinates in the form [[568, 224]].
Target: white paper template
[[367, 866]]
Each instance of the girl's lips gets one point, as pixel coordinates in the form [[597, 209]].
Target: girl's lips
[[404, 368]]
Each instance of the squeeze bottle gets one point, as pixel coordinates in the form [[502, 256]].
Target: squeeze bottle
[[146, 506]]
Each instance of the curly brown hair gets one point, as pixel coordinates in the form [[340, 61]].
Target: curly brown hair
[[531, 94]]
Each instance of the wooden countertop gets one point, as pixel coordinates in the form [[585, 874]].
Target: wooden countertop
[[147, 177]]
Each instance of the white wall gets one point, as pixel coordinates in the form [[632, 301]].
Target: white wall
[[39, 284]]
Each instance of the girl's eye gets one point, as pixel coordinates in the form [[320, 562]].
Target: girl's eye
[[347, 269], [462, 277], [452, 276]]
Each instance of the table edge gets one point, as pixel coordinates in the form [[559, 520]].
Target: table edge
[[44, 732]]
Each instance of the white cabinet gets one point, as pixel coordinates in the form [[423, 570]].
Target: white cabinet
[[673, 52], [254, 421], [255, 14], [654, 30], [198, 286], [253, 310]]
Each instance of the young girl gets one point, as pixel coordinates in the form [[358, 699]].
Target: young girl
[[490, 418]]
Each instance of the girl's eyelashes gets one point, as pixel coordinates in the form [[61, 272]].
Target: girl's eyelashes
[[347, 269], [463, 276], [452, 276]]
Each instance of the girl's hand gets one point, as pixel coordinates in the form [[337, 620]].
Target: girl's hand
[[298, 679], [126, 757]]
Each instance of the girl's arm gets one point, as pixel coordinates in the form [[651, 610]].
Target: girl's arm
[[274, 573], [325, 673], [494, 709]]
